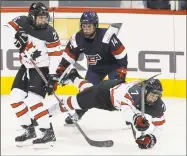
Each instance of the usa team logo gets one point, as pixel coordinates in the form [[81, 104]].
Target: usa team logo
[[92, 59]]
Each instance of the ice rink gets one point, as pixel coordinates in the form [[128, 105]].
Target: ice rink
[[99, 125]]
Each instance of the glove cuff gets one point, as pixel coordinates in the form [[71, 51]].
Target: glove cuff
[[122, 70]]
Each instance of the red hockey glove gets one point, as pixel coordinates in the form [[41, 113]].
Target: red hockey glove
[[60, 69], [62, 66], [140, 123], [146, 141], [121, 73]]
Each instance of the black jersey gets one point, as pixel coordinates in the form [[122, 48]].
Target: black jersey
[[45, 42], [129, 94], [157, 109]]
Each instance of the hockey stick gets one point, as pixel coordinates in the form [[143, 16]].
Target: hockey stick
[[105, 143]]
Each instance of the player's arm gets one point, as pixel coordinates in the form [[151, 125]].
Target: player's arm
[[150, 126], [16, 34], [69, 56], [151, 135], [156, 122], [119, 52], [139, 124], [54, 50], [14, 24]]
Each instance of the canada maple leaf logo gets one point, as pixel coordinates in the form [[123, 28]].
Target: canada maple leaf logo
[[36, 54]]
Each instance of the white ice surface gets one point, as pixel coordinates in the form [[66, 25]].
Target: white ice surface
[[99, 125]]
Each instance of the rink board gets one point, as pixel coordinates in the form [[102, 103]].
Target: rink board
[[152, 48], [172, 88]]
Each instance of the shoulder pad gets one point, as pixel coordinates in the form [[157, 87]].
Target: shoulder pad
[[107, 36], [51, 34], [135, 93], [20, 20], [73, 41], [162, 104], [135, 90]]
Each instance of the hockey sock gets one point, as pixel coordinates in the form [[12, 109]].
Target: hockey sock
[[19, 107], [82, 84], [40, 113], [71, 103]]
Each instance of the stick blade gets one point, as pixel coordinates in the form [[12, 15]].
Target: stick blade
[[106, 143]]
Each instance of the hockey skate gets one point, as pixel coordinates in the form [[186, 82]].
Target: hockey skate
[[27, 137], [46, 140], [128, 123]]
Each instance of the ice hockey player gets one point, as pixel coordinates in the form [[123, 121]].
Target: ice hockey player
[[113, 95], [35, 39], [105, 53]]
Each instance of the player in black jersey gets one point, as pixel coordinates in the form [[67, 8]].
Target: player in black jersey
[[37, 40], [105, 53], [118, 95]]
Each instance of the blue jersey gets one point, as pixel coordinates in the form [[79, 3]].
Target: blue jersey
[[104, 53]]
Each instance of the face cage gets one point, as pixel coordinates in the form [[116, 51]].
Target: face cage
[[90, 35], [40, 26], [150, 103]]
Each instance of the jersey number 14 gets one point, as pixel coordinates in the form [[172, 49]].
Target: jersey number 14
[[114, 41]]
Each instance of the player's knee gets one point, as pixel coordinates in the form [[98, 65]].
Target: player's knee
[[71, 103], [84, 86], [17, 95], [32, 99]]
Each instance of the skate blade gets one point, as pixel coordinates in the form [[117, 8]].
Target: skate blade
[[44, 145], [24, 143], [126, 128], [69, 125]]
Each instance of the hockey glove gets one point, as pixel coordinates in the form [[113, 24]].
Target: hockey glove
[[146, 141], [21, 39], [62, 66], [140, 123], [52, 83], [121, 73]]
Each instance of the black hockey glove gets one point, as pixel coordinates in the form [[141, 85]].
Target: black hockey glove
[[21, 39], [121, 73], [52, 83], [146, 141], [140, 123]]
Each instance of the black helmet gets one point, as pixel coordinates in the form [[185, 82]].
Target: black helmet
[[154, 86], [38, 9]]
